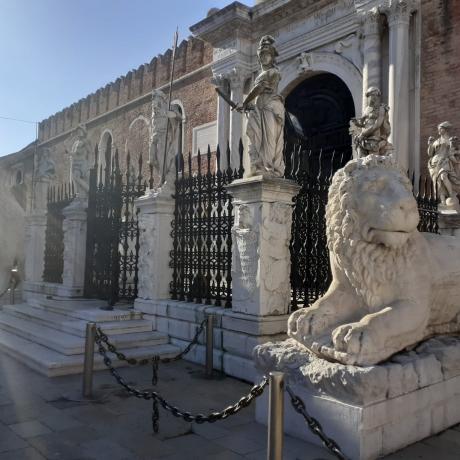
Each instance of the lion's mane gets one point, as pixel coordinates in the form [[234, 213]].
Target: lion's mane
[[366, 265]]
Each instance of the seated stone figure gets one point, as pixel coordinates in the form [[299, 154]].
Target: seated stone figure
[[392, 285]]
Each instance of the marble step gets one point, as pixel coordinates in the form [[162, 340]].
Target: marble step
[[72, 325], [69, 344], [86, 309], [52, 364]]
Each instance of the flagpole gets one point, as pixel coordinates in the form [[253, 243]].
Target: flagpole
[[163, 173]]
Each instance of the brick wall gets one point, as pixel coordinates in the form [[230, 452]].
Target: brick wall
[[128, 124], [440, 68]]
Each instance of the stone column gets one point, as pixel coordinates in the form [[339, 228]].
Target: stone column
[[237, 77], [74, 227], [372, 53], [261, 235], [156, 212], [223, 112], [398, 91], [35, 246]]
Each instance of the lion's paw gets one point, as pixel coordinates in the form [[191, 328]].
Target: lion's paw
[[353, 339], [308, 323]]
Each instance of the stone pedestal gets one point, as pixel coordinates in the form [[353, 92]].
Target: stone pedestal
[[156, 212], [35, 246], [261, 263], [74, 227], [369, 411], [449, 223]]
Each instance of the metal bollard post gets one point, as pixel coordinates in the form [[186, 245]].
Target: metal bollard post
[[89, 360], [209, 345], [276, 417]]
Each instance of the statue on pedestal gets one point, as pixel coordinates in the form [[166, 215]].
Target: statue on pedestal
[[161, 116], [443, 164], [79, 162], [370, 132], [265, 128]]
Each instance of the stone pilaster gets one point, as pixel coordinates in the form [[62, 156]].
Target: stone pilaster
[[372, 53], [236, 77], [156, 212], [398, 92], [74, 226], [223, 112], [260, 243], [35, 246]]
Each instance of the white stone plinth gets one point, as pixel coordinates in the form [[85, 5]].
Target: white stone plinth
[[369, 411], [261, 235], [156, 212], [35, 246], [449, 222], [74, 226]]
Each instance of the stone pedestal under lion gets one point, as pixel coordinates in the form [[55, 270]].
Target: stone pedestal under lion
[[377, 358]]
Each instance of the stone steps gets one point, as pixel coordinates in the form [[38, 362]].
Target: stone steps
[[74, 326], [52, 364], [48, 333], [69, 344]]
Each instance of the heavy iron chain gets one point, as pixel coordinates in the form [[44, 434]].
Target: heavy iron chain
[[154, 360], [245, 401], [314, 426]]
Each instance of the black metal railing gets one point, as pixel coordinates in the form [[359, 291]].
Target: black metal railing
[[310, 269], [58, 197], [427, 202], [112, 248], [201, 229]]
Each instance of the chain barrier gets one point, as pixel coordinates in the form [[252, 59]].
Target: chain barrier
[[154, 360], [314, 426], [243, 402]]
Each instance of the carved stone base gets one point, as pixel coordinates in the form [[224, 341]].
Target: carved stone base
[[370, 411], [260, 243]]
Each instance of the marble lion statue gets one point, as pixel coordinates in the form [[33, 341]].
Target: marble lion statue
[[392, 285]]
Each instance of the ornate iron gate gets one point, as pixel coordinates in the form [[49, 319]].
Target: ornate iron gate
[[112, 247], [202, 241], [57, 199]]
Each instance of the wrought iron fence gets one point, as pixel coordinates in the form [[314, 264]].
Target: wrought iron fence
[[58, 197], [310, 270], [201, 229], [112, 248], [427, 202]]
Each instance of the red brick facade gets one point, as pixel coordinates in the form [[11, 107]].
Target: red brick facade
[[440, 68]]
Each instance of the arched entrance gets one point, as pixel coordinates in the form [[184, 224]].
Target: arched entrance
[[318, 112]]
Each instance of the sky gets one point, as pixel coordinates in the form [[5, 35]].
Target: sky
[[54, 52]]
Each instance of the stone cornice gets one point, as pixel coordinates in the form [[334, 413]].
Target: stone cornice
[[224, 24]]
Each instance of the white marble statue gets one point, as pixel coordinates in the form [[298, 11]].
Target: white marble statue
[[392, 286], [80, 161], [161, 116], [265, 128], [370, 132], [443, 164]]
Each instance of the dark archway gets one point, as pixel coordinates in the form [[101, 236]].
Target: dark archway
[[318, 113]]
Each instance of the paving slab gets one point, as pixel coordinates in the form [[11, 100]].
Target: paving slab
[[30, 429]]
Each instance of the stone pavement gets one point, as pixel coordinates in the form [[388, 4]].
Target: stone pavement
[[42, 418]]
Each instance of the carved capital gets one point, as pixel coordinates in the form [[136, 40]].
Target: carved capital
[[371, 21], [237, 76], [399, 12], [220, 81]]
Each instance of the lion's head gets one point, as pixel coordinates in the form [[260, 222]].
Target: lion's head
[[372, 217]]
